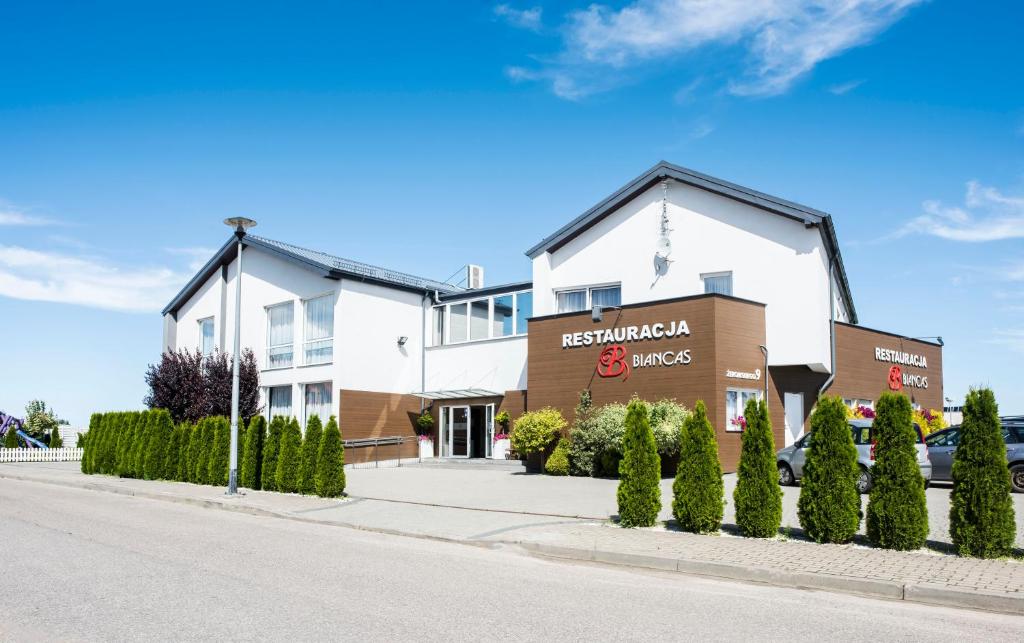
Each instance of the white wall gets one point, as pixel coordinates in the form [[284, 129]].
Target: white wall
[[774, 260], [497, 365]]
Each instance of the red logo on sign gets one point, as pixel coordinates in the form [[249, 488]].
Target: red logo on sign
[[895, 378], [612, 362]]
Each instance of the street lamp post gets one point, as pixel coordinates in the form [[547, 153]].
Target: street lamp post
[[240, 224]]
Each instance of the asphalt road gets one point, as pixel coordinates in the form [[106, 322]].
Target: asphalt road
[[85, 565]]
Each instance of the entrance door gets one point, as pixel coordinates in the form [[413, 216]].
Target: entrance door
[[459, 432], [489, 429], [794, 405]]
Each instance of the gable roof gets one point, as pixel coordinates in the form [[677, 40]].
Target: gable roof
[[326, 265], [775, 205]]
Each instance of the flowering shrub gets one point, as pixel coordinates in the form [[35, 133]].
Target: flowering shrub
[[739, 422], [500, 436], [595, 447], [425, 437], [929, 420], [860, 412]]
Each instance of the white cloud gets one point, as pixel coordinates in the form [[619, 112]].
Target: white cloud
[[780, 40], [701, 128], [198, 256], [84, 280], [986, 215], [845, 88], [522, 18], [13, 217], [1012, 338]]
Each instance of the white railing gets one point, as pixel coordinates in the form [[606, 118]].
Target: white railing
[[40, 455]]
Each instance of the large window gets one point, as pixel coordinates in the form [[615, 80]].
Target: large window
[[318, 337], [279, 401], [479, 313], [439, 325], [735, 402], [317, 401], [206, 336], [717, 282], [502, 315], [524, 310], [458, 322], [577, 299], [280, 323]]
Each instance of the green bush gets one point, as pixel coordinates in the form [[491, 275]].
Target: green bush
[[207, 433], [639, 492], [171, 456], [184, 441], [596, 439], [252, 458], [981, 517], [56, 442], [80, 441], [533, 431], [268, 469], [558, 463], [310, 446], [194, 450], [286, 477], [158, 435], [11, 439], [122, 459], [757, 497], [330, 462], [88, 443], [220, 452], [698, 493], [137, 456], [107, 446], [897, 516], [829, 505]]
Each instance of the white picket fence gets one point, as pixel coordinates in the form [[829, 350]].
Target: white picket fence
[[65, 454]]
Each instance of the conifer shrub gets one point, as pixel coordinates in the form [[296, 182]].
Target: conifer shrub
[[171, 455], [289, 459], [639, 491], [11, 440], [184, 441], [757, 497], [558, 462], [330, 462], [195, 446], [124, 446], [158, 435], [268, 469], [204, 447], [56, 442], [310, 447], [897, 516], [220, 452], [829, 505], [698, 491], [252, 456], [981, 516], [103, 443], [138, 455], [89, 444]]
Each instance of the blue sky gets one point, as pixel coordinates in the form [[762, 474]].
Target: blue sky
[[128, 132]]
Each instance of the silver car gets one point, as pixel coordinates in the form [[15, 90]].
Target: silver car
[[791, 459], [942, 445]]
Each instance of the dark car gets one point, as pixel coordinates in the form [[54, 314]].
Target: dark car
[[942, 445]]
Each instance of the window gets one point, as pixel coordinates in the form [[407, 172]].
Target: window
[[479, 313], [458, 322], [318, 346], [735, 401], [280, 401], [280, 321], [504, 316], [317, 402], [718, 283], [949, 438], [206, 336], [573, 301], [855, 403], [438, 326], [524, 310]]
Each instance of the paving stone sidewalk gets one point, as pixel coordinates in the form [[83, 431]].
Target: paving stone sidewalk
[[924, 576]]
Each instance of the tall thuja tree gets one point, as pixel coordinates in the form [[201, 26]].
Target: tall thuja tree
[[108, 433], [88, 465], [11, 442], [124, 446], [829, 505], [221, 453], [897, 516], [203, 447], [981, 517], [268, 468], [289, 458], [330, 462], [184, 440], [310, 446], [757, 497], [139, 442], [159, 434], [252, 459], [639, 491], [195, 446], [56, 442], [171, 456], [698, 492]]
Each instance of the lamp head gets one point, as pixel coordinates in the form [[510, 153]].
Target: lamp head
[[596, 314], [402, 340], [240, 224]]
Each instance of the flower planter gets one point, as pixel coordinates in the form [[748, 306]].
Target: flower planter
[[499, 450], [426, 449]]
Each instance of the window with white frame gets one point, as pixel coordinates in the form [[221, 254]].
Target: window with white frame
[[318, 330], [439, 325], [479, 313], [504, 316], [279, 401], [735, 402], [501, 315], [317, 401], [577, 299], [719, 283], [206, 336], [280, 335], [855, 403], [524, 310]]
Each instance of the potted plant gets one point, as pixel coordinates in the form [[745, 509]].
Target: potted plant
[[534, 433], [502, 444], [425, 422]]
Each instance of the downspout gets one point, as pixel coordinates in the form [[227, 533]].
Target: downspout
[[831, 326]]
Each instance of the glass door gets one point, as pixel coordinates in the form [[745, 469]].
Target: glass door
[[459, 432], [444, 448], [489, 428]]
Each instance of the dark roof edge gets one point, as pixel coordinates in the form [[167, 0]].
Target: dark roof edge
[[885, 332], [486, 292]]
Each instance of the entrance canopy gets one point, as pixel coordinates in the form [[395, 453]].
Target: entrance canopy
[[457, 394]]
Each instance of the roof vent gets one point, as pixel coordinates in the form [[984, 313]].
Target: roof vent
[[474, 277]]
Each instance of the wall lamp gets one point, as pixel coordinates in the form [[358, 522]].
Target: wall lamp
[[938, 339], [402, 340], [597, 312]]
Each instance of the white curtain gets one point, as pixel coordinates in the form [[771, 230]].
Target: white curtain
[[280, 333], [571, 301], [721, 285], [319, 330], [206, 328], [606, 297], [280, 401], [318, 401], [458, 323], [479, 312]]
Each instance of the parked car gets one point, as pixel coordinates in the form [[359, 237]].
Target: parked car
[[942, 445], [791, 459]]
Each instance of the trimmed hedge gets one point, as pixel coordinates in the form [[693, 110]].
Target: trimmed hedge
[[158, 434], [220, 452], [639, 491], [268, 470], [829, 505], [699, 495], [194, 449], [286, 476], [307, 456], [897, 516], [757, 496], [981, 517], [253, 455], [558, 463], [330, 462]]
